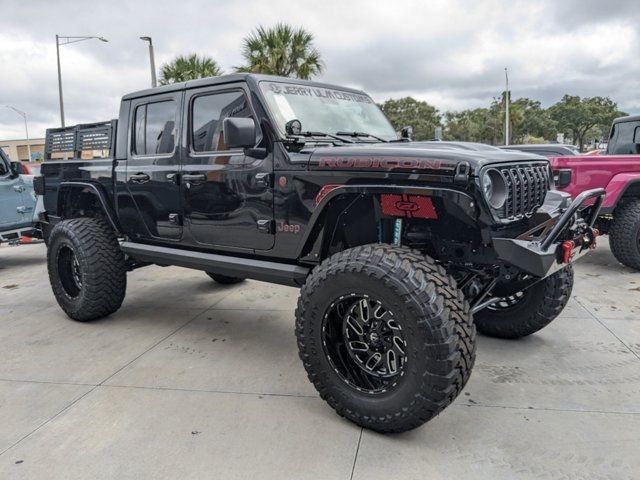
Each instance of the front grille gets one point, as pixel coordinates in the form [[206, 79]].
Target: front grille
[[527, 185]]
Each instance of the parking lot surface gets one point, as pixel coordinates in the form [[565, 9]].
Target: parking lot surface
[[191, 379]]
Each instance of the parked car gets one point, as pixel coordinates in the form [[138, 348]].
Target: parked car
[[595, 152], [618, 172], [397, 246], [546, 150], [17, 202]]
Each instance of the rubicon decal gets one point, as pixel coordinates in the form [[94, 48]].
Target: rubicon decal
[[380, 163]]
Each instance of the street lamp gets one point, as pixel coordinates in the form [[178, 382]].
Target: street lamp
[[152, 60], [26, 128], [63, 40]]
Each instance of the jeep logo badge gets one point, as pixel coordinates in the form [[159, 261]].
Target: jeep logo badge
[[407, 206]]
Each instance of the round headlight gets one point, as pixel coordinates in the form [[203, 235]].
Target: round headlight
[[487, 187], [494, 188]]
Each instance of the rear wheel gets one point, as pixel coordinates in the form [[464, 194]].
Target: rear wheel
[[224, 279], [527, 311], [385, 336], [86, 268], [624, 235]]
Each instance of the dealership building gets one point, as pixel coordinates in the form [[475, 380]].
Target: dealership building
[[19, 149]]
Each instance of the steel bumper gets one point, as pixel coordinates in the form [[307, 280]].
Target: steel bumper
[[543, 255]]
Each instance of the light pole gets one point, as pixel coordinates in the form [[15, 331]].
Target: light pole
[[26, 127], [506, 110], [152, 61], [64, 40]]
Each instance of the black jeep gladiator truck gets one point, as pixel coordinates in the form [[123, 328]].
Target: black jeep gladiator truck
[[400, 250]]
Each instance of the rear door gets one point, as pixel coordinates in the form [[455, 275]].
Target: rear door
[[152, 209], [228, 196]]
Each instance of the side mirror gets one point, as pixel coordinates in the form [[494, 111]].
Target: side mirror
[[16, 169], [239, 132], [406, 133], [636, 136]]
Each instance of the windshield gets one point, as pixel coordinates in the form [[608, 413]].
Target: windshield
[[325, 110]]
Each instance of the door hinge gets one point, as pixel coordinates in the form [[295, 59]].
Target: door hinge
[[265, 226]]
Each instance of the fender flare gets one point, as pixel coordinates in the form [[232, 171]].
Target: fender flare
[[463, 199], [100, 193], [617, 188]]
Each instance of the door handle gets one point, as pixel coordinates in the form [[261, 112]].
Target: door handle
[[18, 188], [139, 178], [194, 178], [263, 179]]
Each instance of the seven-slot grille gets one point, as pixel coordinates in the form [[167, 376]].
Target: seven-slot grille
[[527, 185]]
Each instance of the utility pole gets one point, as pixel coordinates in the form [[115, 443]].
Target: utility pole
[[506, 110], [63, 40], [152, 61]]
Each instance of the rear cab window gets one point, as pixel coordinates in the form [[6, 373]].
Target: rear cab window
[[623, 139]]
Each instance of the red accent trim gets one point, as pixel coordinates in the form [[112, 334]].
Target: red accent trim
[[567, 250], [408, 206], [324, 191]]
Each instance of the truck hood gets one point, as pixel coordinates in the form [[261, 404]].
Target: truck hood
[[409, 156]]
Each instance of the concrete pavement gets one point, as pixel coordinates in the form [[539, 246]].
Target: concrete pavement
[[191, 379]]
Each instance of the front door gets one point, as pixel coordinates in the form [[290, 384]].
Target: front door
[[227, 195], [152, 208]]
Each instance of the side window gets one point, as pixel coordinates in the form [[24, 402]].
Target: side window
[[155, 128], [207, 114], [4, 167], [624, 142]]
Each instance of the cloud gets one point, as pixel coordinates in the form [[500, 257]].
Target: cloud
[[451, 53]]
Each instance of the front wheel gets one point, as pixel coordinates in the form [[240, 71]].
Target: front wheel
[[528, 311], [87, 269], [385, 336]]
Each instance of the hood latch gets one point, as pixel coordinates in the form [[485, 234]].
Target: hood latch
[[462, 174]]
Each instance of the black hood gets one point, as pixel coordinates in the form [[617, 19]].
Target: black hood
[[409, 156]]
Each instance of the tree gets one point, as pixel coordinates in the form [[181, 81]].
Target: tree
[[281, 50], [576, 117], [183, 68], [477, 125], [418, 114], [535, 122]]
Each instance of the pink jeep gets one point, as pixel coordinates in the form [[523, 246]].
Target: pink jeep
[[618, 172]]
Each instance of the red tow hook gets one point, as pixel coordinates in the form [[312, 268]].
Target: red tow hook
[[567, 250]]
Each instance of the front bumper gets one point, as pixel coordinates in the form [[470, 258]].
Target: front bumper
[[550, 246]]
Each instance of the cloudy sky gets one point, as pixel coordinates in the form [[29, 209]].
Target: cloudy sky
[[451, 53]]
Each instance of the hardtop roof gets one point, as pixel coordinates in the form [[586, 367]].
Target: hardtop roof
[[231, 78], [630, 118]]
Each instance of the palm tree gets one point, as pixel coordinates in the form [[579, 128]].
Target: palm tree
[[183, 68], [282, 50]]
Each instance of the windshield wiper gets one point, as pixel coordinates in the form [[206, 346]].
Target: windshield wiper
[[361, 134], [320, 134]]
